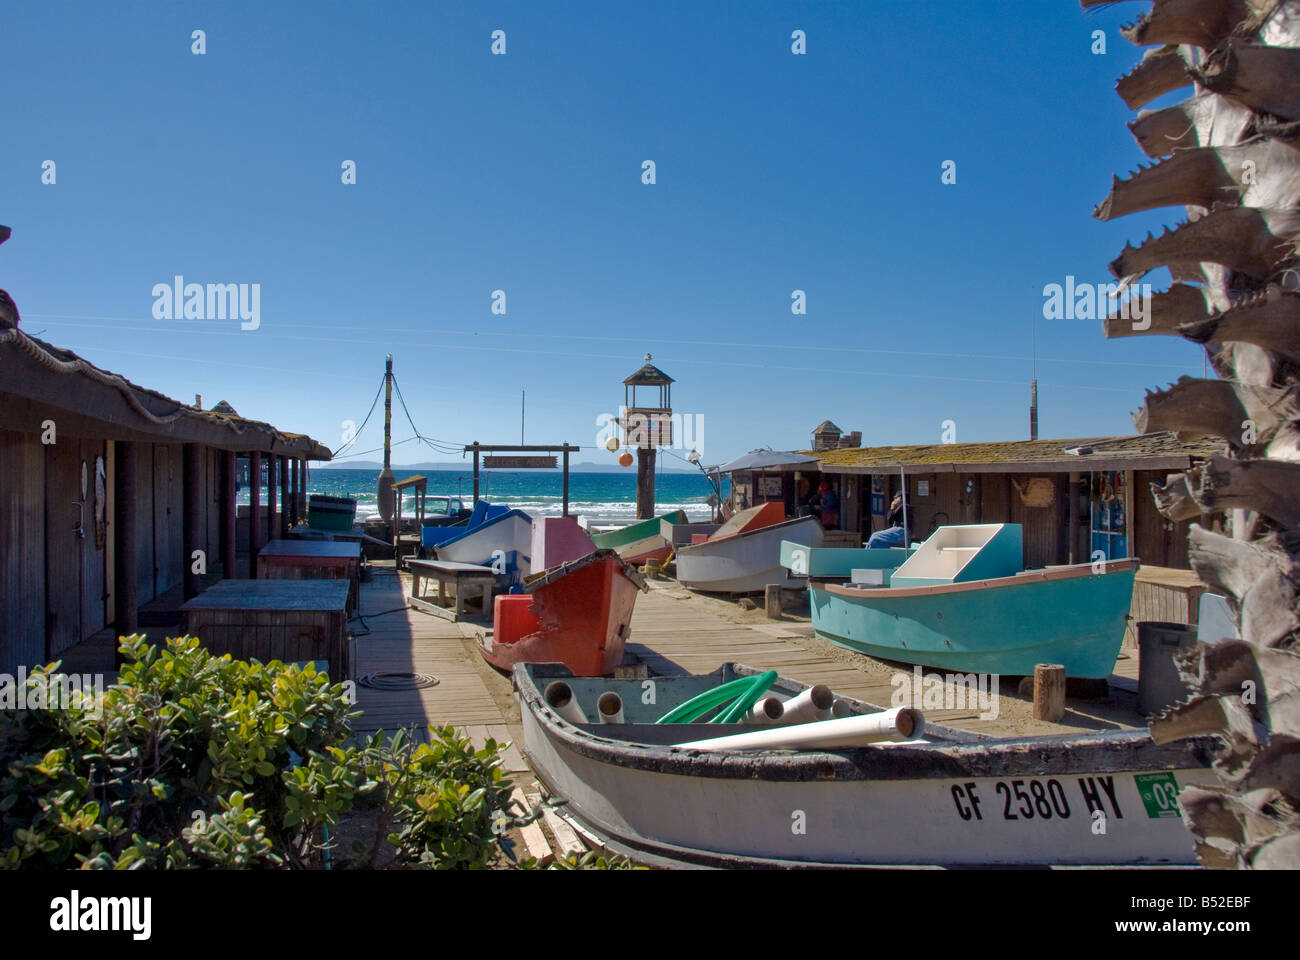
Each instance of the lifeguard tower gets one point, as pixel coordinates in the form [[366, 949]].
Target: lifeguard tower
[[645, 425]]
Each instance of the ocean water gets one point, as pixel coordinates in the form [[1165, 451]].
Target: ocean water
[[601, 497]]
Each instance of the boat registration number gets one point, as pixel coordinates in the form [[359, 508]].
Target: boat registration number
[[1050, 799]]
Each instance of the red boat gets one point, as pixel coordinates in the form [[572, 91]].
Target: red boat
[[578, 614]]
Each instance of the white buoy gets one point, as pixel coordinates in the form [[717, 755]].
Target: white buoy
[[767, 710], [815, 703], [900, 723], [610, 707], [559, 697]]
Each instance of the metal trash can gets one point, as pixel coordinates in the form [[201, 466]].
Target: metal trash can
[[1158, 682]]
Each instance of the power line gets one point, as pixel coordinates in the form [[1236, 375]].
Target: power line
[[373, 404], [514, 335]]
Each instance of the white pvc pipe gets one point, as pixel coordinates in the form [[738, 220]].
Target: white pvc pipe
[[900, 723], [812, 704], [609, 707], [559, 697], [840, 708], [767, 710]]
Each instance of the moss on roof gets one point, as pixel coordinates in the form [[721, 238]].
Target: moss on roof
[[1150, 446]]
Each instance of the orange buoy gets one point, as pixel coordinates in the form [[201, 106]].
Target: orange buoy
[[625, 459]]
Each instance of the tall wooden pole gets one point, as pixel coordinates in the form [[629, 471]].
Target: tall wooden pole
[[125, 609], [229, 549], [190, 472], [293, 492], [566, 479], [385, 491], [254, 511], [476, 471], [645, 482]]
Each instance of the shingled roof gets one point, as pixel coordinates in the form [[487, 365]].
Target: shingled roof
[[39, 372], [648, 375], [1155, 451]]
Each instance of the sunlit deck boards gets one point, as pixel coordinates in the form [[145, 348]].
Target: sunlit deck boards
[[407, 641], [674, 632]]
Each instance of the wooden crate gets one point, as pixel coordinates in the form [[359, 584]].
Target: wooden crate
[[312, 560], [1163, 595], [269, 620]]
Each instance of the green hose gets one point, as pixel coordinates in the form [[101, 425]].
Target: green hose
[[742, 694]]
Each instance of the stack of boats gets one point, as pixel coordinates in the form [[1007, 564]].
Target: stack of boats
[[743, 555]]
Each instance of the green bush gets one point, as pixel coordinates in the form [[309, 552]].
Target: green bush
[[193, 760]]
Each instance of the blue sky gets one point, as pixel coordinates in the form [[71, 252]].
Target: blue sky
[[522, 173]]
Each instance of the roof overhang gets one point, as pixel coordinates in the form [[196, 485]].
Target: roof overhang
[[41, 382]]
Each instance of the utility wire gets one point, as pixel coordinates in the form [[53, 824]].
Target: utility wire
[[334, 454]]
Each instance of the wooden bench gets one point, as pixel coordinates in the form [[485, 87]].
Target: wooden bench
[[463, 576]]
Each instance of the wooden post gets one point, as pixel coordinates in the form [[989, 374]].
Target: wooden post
[[645, 482], [1130, 543], [565, 512], [270, 497], [293, 492], [284, 497], [1049, 692], [126, 612], [772, 601], [1061, 494], [229, 550], [476, 471], [397, 531], [254, 511], [190, 471], [1074, 518]]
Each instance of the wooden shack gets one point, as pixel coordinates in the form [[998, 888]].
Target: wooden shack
[[1071, 496], [113, 495]]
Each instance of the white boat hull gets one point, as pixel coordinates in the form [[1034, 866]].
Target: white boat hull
[[901, 821], [509, 535], [746, 562]]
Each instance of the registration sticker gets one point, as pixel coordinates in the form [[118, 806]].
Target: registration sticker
[[1159, 792]]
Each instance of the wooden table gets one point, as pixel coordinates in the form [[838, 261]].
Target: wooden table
[[288, 620], [463, 576], [313, 560]]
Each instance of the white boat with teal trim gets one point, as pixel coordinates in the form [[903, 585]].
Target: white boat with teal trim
[[666, 784], [963, 602]]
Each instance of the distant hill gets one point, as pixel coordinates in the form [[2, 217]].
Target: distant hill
[[467, 466]]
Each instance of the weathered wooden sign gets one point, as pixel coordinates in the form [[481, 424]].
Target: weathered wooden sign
[[519, 463]]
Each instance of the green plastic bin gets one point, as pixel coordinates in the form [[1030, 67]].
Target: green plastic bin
[[330, 513]]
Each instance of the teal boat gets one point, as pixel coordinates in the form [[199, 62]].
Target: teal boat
[[963, 602], [839, 563]]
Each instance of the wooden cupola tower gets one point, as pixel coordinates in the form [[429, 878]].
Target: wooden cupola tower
[[645, 425]]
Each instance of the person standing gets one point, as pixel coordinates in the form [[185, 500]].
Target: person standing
[[829, 503]]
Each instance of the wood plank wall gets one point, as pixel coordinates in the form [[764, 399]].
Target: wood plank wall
[[22, 552], [40, 550]]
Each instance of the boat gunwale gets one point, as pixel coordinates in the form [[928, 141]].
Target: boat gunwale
[[687, 548], [966, 754], [1070, 572]]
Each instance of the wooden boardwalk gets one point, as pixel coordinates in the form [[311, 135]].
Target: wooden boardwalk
[[674, 632]]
